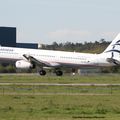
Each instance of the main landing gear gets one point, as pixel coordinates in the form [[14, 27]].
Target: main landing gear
[[57, 72], [42, 72]]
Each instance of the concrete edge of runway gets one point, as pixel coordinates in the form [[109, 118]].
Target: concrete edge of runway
[[57, 84], [52, 94]]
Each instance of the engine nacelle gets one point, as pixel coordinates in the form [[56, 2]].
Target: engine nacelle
[[22, 64]]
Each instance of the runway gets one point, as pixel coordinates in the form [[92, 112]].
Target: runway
[[52, 94], [57, 84]]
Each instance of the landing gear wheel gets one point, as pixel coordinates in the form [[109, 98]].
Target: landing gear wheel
[[59, 73], [42, 72]]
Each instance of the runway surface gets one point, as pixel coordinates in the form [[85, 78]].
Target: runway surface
[[58, 84], [51, 94]]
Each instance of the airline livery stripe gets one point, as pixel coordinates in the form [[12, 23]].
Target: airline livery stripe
[[118, 51], [116, 44]]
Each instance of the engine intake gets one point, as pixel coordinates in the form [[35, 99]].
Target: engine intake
[[22, 64]]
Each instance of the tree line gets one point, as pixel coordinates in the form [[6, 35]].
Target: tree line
[[91, 47]]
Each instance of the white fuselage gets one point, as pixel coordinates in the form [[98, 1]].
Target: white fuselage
[[69, 59]]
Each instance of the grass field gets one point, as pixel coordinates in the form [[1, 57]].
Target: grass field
[[100, 78], [95, 103], [59, 107]]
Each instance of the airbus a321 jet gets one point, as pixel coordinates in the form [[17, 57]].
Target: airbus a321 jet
[[30, 58]]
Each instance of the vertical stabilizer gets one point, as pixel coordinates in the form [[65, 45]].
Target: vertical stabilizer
[[114, 45], [113, 51]]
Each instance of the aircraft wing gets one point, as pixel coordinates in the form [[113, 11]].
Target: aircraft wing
[[40, 62], [115, 61]]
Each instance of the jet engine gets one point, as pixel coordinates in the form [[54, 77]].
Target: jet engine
[[22, 64]]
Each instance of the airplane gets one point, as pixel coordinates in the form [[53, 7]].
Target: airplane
[[30, 58]]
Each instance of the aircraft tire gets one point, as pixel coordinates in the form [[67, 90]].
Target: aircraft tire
[[59, 73], [42, 72]]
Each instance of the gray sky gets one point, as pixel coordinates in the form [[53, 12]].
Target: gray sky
[[46, 21]]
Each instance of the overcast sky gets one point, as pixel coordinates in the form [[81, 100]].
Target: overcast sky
[[46, 21]]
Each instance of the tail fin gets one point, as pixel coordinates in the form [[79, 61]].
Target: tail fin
[[114, 45], [112, 52]]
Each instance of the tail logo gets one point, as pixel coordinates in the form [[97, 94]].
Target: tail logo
[[113, 48]]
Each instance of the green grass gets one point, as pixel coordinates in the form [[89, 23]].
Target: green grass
[[59, 107], [97, 106], [100, 78]]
